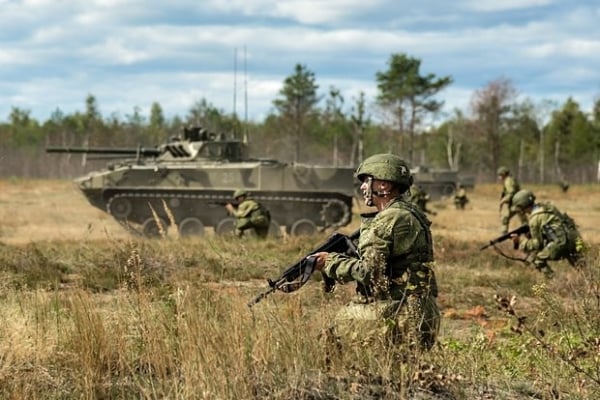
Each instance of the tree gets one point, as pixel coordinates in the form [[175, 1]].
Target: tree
[[92, 118], [491, 106], [297, 102], [335, 121], [596, 133], [360, 123], [540, 112], [157, 129], [572, 137], [407, 95], [523, 133], [457, 128], [25, 136]]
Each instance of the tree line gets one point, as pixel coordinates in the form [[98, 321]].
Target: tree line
[[540, 142]]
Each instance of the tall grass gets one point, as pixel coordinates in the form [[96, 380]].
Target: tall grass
[[121, 318], [141, 323]]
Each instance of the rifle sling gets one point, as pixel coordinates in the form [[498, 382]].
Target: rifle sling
[[497, 249], [307, 267]]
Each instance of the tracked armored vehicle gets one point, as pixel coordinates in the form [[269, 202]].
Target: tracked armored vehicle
[[438, 183], [184, 183]]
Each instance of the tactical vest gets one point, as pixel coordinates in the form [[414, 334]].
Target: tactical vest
[[397, 266], [567, 224], [260, 216]]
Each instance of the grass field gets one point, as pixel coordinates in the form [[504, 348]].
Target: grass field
[[89, 311]]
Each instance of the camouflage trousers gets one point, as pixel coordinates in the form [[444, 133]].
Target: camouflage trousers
[[244, 224], [413, 321], [506, 214], [570, 250]]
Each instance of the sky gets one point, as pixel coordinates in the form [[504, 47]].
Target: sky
[[236, 54]]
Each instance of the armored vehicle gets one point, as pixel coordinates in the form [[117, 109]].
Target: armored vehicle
[[185, 182], [438, 183]]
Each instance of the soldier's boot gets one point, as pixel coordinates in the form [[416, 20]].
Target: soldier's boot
[[544, 268], [576, 260]]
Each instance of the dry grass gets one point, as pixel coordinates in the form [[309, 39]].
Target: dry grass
[[90, 312]]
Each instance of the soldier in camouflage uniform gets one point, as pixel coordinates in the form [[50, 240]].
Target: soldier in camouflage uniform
[[510, 186], [250, 214], [396, 287], [420, 198], [553, 234], [460, 198]]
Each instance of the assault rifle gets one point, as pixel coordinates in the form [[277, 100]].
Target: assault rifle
[[521, 230], [297, 274], [223, 203]]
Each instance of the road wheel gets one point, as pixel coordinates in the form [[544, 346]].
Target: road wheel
[[225, 227], [335, 213], [303, 227], [154, 228], [448, 189], [120, 207], [191, 227]]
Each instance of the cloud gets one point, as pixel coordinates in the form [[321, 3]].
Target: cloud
[[132, 52], [495, 6]]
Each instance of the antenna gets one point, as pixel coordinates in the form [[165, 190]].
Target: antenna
[[234, 82], [245, 139]]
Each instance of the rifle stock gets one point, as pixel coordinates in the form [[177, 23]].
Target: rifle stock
[[298, 273], [521, 230]]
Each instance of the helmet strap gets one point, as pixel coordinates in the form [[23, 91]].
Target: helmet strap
[[369, 192], [382, 193]]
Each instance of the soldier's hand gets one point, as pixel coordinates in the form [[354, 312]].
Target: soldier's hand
[[515, 240], [320, 260], [229, 207]]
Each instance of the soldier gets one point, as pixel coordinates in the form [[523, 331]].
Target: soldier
[[250, 214], [564, 185], [553, 235], [420, 198], [396, 287], [510, 186], [460, 198]]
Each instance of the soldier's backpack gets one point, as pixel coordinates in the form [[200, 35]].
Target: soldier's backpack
[[260, 217]]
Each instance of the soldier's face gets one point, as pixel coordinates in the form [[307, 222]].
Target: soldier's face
[[366, 187]]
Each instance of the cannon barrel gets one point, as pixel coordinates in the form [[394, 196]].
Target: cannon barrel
[[105, 150]]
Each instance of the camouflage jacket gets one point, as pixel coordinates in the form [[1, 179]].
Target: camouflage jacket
[[547, 224], [246, 208], [396, 254], [510, 187], [460, 194]]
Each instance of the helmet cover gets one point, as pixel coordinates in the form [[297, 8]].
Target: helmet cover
[[385, 167]]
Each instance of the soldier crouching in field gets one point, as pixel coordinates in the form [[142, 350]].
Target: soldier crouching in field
[[396, 287], [553, 235], [250, 214]]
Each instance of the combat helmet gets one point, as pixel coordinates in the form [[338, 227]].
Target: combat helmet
[[502, 171], [240, 192], [385, 167], [523, 199]]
